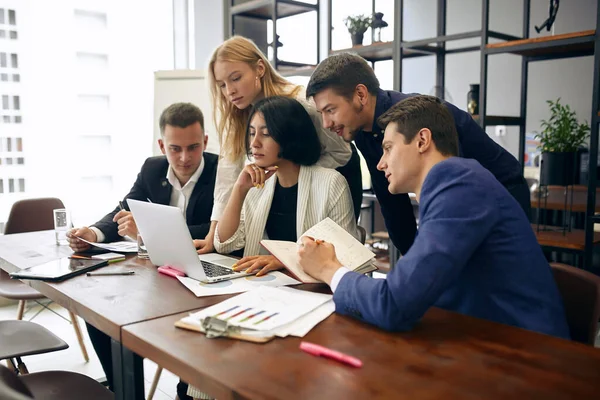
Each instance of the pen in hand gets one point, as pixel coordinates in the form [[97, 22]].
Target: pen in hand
[[121, 205], [110, 273]]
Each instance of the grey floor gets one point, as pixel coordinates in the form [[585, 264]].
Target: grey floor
[[71, 359]]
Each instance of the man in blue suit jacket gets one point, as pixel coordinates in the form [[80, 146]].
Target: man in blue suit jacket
[[347, 94], [475, 252]]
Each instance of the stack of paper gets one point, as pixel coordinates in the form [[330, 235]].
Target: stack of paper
[[238, 285], [268, 311]]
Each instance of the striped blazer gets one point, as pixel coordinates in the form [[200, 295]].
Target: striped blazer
[[322, 193]]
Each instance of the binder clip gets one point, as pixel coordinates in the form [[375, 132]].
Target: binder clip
[[215, 327]]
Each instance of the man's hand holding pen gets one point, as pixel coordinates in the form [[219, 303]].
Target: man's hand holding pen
[[124, 219], [317, 258]]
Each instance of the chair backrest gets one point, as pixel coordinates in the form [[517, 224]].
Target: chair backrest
[[32, 215], [362, 234], [11, 387], [580, 292]]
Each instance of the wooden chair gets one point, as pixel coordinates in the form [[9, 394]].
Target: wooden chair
[[580, 291], [29, 216]]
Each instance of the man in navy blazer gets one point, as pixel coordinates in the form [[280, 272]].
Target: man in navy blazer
[[347, 94], [184, 177], [475, 252]]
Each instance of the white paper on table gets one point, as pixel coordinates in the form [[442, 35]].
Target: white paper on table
[[307, 322], [124, 246], [264, 308], [238, 285], [31, 254]]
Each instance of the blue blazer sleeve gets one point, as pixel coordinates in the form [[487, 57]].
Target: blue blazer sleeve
[[455, 219]]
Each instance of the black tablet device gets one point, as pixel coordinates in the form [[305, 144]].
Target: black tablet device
[[58, 270]]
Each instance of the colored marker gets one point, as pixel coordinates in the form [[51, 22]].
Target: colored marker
[[266, 318], [238, 313], [226, 311], [252, 316]]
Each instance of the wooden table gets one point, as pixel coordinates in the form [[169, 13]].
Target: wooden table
[[553, 237], [106, 302], [447, 355]]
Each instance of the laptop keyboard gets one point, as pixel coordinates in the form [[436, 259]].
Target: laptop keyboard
[[213, 270]]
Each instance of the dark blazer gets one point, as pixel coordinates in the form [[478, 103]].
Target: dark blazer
[[473, 143], [475, 253], [152, 183]]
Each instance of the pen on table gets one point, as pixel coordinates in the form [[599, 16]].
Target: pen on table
[[321, 351], [116, 260], [76, 257], [110, 273]]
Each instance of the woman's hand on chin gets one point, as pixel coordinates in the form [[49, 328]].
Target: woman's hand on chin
[[254, 176]]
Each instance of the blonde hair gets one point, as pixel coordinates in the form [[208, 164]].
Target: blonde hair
[[229, 120]]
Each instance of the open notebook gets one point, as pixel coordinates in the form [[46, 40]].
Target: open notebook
[[351, 253]]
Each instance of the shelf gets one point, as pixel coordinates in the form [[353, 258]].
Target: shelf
[[263, 9], [381, 51], [573, 44], [492, 120], [573, 240], [306, 70]]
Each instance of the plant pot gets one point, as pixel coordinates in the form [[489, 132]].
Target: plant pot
[[558, 169], [357, 38]]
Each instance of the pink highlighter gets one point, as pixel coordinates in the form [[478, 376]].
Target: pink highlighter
[[321, 351], [168, 270]]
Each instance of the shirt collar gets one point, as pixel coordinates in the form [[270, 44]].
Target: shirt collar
[[382, 104], [193, 179]]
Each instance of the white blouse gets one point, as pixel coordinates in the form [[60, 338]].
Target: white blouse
[[322, 193]]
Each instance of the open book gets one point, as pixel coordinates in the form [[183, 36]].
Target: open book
[[349, 251]]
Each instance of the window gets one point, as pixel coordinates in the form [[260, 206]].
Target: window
[[9, 161], [12, 17], [4, 77], [6, 119], [3, 63], [1, 185], [2, 33], [13, 34], [11, 185], [8, 144], [18, 119], [5, 102], [14, 59], [16, 103], [16, 77], [19, 144], [21, 160], [21, 185], [1, 21]]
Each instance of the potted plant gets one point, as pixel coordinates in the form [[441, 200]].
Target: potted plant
[[357, 26], [560, 139]]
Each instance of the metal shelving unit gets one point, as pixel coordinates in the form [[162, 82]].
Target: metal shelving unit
[[575, 44], [263, 10]]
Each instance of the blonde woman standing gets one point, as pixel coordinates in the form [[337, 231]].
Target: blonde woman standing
[[240, 75]]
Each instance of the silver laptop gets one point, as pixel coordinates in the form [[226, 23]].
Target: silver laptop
[[169, 243]]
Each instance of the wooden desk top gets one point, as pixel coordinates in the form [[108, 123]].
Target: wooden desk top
[[556, 199], [573, 240], [447, 355], [107, 302]]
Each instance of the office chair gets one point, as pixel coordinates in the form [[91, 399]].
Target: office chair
[[29, 216], [580, 291]]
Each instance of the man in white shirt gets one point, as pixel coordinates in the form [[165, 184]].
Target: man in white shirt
[[184, 177]]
